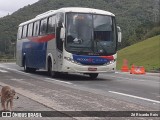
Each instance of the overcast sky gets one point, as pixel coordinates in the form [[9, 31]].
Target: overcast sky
[[9, 6]]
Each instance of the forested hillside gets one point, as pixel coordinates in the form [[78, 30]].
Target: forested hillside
[[135, 17]]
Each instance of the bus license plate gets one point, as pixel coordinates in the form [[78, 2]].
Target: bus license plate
[[92, 69]]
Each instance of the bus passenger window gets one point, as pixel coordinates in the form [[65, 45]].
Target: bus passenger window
[[19, 35], [24, 31], [43, 27], [36, 29], [51, 24], [30, 29]]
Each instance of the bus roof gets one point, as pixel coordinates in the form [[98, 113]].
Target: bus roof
[[68, 9], [85, 10]]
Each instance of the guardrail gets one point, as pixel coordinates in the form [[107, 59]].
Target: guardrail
[[7, 60]]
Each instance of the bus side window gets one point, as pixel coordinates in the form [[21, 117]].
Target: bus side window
[[43, 27], [19, 35], [24, 34], [30, 29], [36, 29], [51, 24], [60, 21]]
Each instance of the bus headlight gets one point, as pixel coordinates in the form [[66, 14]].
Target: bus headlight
[[71, 60], [111, 62]]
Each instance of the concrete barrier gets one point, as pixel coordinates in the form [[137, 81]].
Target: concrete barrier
[[7, 60], [137, 70]]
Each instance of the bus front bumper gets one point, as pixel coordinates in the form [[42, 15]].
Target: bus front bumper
[[76, 68]]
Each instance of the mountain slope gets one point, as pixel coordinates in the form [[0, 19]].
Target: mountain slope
[[131, 15], [145, 53]]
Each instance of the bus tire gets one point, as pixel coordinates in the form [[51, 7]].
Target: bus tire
[[51, 73], [26, 69], [33, 70], [93, 75]]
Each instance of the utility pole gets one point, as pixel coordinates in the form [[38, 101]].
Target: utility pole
[[14, 49]]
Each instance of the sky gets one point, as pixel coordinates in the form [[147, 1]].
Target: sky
[[10, 6]]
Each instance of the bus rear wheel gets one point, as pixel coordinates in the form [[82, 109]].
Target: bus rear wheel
[[93, 75], [27, 69]]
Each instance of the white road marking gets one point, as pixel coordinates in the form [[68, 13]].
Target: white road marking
[[11, 69], [15, 79], [3, 71], [59, 81], [17, 71], [146, 99], [32, 76]]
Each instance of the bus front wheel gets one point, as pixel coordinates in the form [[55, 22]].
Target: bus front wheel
[[93, 75], [50, 71]]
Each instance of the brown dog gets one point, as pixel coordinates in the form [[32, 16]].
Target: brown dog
[[7, 96]]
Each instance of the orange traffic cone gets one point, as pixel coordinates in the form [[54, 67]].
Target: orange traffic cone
[[132, 69], [125, 66], [125, 69]]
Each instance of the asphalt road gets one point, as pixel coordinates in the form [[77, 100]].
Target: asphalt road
[[73, 92]]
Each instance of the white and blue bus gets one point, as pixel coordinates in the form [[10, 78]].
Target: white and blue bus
[[70, 40]]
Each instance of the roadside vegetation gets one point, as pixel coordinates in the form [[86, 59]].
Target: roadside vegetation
[[145, 53]]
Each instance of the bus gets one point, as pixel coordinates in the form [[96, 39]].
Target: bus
[[69, 40]]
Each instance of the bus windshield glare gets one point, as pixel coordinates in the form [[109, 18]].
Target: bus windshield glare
[[90, 34]]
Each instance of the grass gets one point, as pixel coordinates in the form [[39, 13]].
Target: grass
[[145, 53]]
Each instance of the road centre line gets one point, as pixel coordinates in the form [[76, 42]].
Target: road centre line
[[132, 96]]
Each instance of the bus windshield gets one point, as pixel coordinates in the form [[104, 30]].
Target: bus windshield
[[90, 34]]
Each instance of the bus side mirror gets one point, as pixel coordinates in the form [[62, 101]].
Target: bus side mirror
[[119, 34], [62, 33], [60, 25]]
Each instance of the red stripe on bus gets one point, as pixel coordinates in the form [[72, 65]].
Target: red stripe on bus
[[108, 57], [42, 39]]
